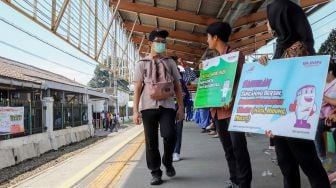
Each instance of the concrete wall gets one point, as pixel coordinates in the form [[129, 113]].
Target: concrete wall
[[16, 150]]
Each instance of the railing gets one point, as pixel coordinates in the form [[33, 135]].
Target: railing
[[69, 115], [33, 122]]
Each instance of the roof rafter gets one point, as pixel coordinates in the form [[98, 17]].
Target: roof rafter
[[172, 34], [251, 40], [248, 32], [176, 47], [178, 15], [145, 50], [262, 15]]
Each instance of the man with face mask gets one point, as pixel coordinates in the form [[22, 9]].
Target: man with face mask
[[156, 112]]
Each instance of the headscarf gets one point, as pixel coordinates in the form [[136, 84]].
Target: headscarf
[[290, 24]]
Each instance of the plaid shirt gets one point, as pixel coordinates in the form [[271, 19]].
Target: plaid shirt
[[189, 75]]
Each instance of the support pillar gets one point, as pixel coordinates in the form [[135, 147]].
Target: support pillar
[[90, 113], [48, 108]]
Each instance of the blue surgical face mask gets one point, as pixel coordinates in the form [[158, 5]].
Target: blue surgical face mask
[[159, 47]]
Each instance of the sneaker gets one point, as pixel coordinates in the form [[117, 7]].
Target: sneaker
[[203, 131], [230, 184], [156, 181], [271, 147], [176, 157], [211, 126], [170, 171]]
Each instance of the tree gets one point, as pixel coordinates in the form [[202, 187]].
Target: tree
[[100, 79], [329, 46]]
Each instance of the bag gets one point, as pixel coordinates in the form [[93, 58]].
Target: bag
[[159, 80], [326, 110], [298, 49]]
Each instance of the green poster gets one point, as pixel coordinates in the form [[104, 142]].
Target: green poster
[[216, 81]]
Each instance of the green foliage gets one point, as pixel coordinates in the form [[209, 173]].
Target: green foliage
[[100, 79], [329, 46]]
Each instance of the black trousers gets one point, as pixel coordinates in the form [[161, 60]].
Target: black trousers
[[151, 120], [292, 153], [236, 153]]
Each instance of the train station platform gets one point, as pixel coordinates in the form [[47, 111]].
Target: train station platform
[[120, 162]]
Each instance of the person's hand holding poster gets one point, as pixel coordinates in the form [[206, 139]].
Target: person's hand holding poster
[[216, 81], [284, 96]]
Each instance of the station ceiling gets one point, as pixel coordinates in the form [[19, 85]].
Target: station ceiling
[[187, 20]]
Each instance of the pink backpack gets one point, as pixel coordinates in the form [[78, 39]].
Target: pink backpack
[[158, 78]]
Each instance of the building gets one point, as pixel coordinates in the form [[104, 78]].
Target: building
[[55, 111]]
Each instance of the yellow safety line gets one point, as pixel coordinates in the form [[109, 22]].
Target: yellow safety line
[[90, 167], [114, 170]]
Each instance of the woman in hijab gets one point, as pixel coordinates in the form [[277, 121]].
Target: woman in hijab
[[290, 25]]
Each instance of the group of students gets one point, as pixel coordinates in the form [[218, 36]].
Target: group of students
[[110, 121], [288, 22]]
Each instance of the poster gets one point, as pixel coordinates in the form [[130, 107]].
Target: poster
[[284, 96], [216, 81], [11, 120]]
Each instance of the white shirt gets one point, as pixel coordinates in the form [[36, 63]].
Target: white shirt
[[331, 87]]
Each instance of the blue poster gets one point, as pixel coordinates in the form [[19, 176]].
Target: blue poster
[[285, 96]]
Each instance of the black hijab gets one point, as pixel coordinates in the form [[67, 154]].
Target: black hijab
[[290, 24]]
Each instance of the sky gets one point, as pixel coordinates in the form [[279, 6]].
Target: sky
[[321, 26], [51, 59], [82, 70]]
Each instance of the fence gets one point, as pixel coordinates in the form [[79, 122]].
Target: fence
[[69, 115], [33, 117]]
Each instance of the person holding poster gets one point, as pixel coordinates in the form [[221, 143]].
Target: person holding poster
[[234, 143], [291, 26], [329, 103]]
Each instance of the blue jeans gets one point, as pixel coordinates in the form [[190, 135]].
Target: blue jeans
[[319, 140], [204, 117], [178, 129]]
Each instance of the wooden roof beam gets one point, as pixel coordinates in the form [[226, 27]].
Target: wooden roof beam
[[182, 35], [173, 53], [147, 49], [248, 32], [253, 49], [172, 34], [262, 15], [176, 47], [178, 15], [252, 40], [254, 45]]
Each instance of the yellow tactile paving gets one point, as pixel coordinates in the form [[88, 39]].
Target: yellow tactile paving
[[115, 169]]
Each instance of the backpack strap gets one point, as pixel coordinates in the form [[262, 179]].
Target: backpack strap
[[165, 65]]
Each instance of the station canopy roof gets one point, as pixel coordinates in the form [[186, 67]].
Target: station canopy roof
[[187, 20]]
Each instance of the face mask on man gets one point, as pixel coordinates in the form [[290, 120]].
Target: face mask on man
[[159, 47]]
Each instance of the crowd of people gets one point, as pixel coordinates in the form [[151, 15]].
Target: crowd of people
[[158, 81], [110, 121]]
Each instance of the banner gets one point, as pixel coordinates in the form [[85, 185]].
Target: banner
[[216, 81], [285, 96], [11, 120]]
